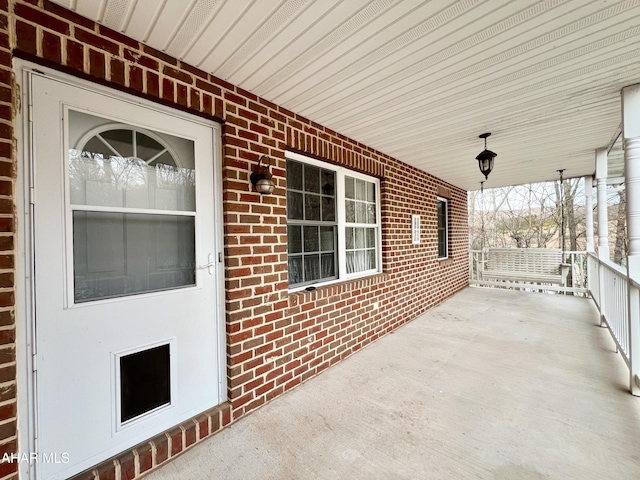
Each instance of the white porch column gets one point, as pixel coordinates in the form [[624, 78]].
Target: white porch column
[[588, 193], [603, 217], [603, 224], [631, 145]]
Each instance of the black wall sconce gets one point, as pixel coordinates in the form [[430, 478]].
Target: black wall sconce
[[261, 177], [485, 158]]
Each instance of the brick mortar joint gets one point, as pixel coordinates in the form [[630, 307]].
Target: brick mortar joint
[[136, 462], [7, 421], [11, 476], [4, 441], [154, 453], [8, 402]]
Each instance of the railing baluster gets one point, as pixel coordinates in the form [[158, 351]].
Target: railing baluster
[[608, 285], [633, 334]]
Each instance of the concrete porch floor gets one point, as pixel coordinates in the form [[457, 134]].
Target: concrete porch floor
[[491, 384]]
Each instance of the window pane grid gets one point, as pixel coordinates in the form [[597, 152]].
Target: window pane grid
[[312, 225], [361, 249], [361, 225], [312, 253], [310, 193], [360, 201], [317, 236], [443, 211]]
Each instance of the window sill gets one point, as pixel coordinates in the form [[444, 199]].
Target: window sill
[[302, 296], [445, 261]]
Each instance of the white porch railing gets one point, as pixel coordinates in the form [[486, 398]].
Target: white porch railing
[[593, 274], [617, 298], [609, 287], [576, 284]]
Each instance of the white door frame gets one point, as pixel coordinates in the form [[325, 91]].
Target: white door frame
[[24, 256]]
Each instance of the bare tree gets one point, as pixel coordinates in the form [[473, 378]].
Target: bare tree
[[528, 216], [619, 250]]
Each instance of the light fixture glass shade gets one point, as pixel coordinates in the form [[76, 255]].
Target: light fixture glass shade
[[485, 162], [265, 186]]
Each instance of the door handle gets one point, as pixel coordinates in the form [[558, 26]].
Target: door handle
[[209, 266]]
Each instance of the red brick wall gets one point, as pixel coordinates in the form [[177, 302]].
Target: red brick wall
[[275, 340]]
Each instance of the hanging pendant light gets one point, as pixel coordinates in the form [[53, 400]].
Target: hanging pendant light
[[485, 158]]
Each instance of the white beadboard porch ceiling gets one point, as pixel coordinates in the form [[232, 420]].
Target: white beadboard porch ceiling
[[416, 79]]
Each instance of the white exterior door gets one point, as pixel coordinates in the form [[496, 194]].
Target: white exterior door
[[128, 330]]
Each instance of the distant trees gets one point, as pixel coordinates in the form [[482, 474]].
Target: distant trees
[[620, 232], [575, 225], [528, 216]]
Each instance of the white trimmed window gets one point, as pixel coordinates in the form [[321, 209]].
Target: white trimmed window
[[443, 228], [333, 222]]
